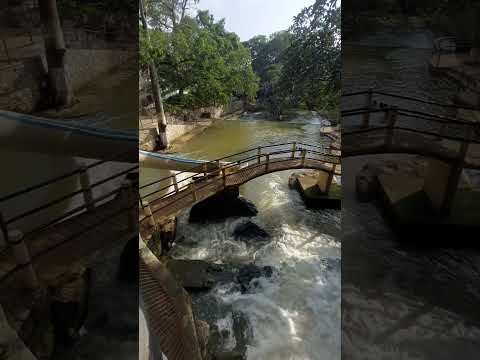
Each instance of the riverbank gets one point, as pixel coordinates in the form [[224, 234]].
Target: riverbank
[[302, 247]]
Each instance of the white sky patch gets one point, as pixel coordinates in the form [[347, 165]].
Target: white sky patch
[[248, 18]]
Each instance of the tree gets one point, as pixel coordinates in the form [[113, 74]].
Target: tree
[[167, 14], [157, 94], [59, 84], [202, 62], [312, 64]]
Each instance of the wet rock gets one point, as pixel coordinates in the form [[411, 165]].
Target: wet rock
[[203, 334], [162, 239], [223, 205], [128, 267], [229, 355], [250, 232], [197, 274], [69, 304], [249, 272]]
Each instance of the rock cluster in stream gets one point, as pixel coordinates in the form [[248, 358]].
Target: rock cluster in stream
[[197, 275], [250, 232], [221, 206]]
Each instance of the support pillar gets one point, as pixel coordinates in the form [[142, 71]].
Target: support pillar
[[325, 180]]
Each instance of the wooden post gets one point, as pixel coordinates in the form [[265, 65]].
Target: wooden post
[[22, 258], [294, 149], [193, 190], [86, 188], [175, 183], [205, 169], [267, 161], [218, 167], [224, 177], [259, 154], [304, 155], [391, 116], [368, 105], [149, 214]]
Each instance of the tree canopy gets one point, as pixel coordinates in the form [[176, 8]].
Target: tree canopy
[[196, 57], [300, 66]]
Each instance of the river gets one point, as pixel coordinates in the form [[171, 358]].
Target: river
[[296, 313], [398, 302]]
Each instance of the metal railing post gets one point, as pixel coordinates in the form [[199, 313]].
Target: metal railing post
[[391, 116], [6, 50], [205, 169], [368, 105], [175, 183], [149, 214], [259, 154], [86, 188], [267, 161], [224, 178], [22, 258], [304, 155], [193, 190], [294, 149]]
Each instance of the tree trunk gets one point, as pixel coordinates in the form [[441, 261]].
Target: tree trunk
[[162, 142], [59, 82]]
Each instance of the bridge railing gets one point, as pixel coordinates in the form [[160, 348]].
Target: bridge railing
[[390, 124], [375, 99], [252, 158], [10, 227]]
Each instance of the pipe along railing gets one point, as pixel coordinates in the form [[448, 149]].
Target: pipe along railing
[[14, 238], [219, 167]]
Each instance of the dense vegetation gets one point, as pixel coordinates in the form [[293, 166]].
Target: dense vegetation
[[301, 67], [197, 59], [200, 64], [452, 17]]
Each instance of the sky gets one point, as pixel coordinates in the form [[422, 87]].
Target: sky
[[248, 18]]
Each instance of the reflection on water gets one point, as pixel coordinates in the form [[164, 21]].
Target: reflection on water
[[295, 314], [400, 303]]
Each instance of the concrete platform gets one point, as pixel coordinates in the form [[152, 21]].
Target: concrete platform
[[315, 198], [409, 209]]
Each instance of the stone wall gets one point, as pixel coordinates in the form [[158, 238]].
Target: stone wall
[[20, 81], [85, 65]]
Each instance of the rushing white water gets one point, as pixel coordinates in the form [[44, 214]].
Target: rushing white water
[[295, 314]]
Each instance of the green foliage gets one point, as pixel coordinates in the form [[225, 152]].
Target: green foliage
[[312, 64], [300, 67], [201, 61]]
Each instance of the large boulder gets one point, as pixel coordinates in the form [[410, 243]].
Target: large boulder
[[221, 206], [250, 232], [249, 272]]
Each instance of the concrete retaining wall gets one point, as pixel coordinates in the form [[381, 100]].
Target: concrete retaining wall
[[20, 81], [85, 65]]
